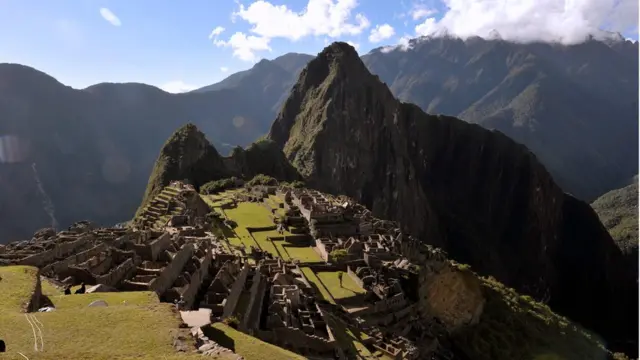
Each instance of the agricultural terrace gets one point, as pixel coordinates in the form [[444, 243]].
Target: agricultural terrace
[[74, 331], [251, 216], [328, 284]]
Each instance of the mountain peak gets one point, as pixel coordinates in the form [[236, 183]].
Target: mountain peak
[[338, 49], [187, 154]]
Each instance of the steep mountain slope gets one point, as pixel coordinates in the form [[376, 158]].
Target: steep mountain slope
[[94, 149], [574, 106], [618, 211], [186, 155], [484, 198]]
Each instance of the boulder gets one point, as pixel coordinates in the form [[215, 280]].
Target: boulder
[[452, 296]]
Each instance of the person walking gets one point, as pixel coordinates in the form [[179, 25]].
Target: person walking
[[340, 277]]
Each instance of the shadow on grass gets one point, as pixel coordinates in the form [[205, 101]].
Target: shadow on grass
[[220, 337], [344, 339]]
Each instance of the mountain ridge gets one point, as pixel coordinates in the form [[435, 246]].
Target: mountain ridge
[[399, 162], [112, 126]]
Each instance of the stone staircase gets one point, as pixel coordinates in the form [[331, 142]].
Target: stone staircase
[[157, 212]]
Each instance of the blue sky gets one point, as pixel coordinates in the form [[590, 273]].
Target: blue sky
[[172, 44]]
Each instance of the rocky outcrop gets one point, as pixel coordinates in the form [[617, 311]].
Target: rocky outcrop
[[452, 296], [484, 198], [261, 157]]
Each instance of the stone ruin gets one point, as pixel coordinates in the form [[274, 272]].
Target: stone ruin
[[170, 251]]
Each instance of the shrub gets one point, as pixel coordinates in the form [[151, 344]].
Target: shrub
[[213, 187], [262, 179], [338, 254], [297, 184], [231, 321]]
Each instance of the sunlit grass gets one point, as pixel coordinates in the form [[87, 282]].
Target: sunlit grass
[[141, 329]]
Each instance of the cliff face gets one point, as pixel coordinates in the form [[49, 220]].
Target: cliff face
[[481, 196]]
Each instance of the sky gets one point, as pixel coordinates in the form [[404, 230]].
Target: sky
[[183, 45]]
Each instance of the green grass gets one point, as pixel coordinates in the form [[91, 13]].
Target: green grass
[[350, 339], [249, 214], [302, 253], [139, 298], [329, 286], [349, 287], [252, 215], [285, 249], [247, 346], [315, 281], [142, 329]]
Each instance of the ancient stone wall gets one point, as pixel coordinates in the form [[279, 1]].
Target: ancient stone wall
[[196, 281], [236, 291], [115, 276], [254, 309], [62, 250], [157, 246], [35, 302], [171, 272], [297, 339], [78, 258]]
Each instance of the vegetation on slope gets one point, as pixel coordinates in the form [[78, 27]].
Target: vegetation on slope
[[513, 326], [618, 211]]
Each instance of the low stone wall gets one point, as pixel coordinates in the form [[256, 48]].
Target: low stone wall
[[294, 239], [78, 258], [115, 276], [209, 347], [171, 272], [300, 341], [61, 251], [262, 228], [236, 291]]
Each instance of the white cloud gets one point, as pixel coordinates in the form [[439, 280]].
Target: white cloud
[[381, 32], [420, 11], [329, 18], [215, 32], [403, 45], [177, 86], [569, 21], [244, 47], [355, 45], [224, 69], [110, 17]]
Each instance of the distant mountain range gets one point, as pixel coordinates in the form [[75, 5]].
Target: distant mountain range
[[93, 149]]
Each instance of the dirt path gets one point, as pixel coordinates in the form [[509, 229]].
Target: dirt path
[[37, 331]]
